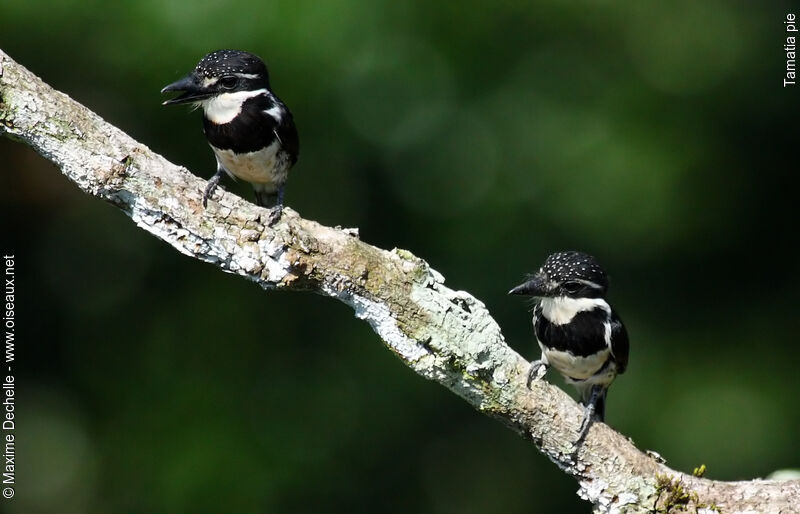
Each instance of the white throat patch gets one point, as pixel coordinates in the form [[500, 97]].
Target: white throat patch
[[561, 310], [223, 108]]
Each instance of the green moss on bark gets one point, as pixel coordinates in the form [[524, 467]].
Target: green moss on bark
[[674, 497]]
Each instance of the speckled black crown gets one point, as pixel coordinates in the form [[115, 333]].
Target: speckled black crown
[[572, 265], [224, 62]]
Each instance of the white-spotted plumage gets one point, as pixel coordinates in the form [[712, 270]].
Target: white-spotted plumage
[[251, 131], [576, 329]]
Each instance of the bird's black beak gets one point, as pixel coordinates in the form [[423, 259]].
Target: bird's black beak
[[536, 286], [193, 91]]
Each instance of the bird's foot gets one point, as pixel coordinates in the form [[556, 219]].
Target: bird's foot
[[536, 372], [274, 215], [210, 188], [589, 412], [588, 417]]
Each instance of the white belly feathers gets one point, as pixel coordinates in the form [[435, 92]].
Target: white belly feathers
[[579, 368], [266, 166]]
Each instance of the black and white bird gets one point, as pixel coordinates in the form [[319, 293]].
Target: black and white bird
[[578, 332], [250, 129]]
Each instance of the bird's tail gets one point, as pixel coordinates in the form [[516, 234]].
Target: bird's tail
[[600, 403]]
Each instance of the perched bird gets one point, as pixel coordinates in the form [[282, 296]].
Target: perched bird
[[577, 330], [250, 129]]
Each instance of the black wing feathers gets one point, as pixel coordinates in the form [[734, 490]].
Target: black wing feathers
[[619, 343]]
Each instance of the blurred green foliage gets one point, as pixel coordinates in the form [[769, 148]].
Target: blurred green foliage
[[479, 135]]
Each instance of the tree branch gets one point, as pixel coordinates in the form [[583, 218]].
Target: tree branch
[[444, 335]]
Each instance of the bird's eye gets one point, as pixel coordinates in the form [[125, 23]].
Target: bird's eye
[[572, 286], [228, 81]]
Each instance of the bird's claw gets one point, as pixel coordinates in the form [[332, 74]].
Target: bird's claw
[[588, 417], [210, 188], [588, 413], [536, 372], [274, 215], [207, 194]]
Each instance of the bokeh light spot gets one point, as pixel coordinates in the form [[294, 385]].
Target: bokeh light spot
[[684, 46], [396, 92]]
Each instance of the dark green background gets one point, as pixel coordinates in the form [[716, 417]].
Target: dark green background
[[479, 135]]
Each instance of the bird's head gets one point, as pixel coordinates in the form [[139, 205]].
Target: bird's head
[[566, 274], [220, 73]]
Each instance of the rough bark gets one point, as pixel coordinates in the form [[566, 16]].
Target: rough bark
[[442, 334]]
